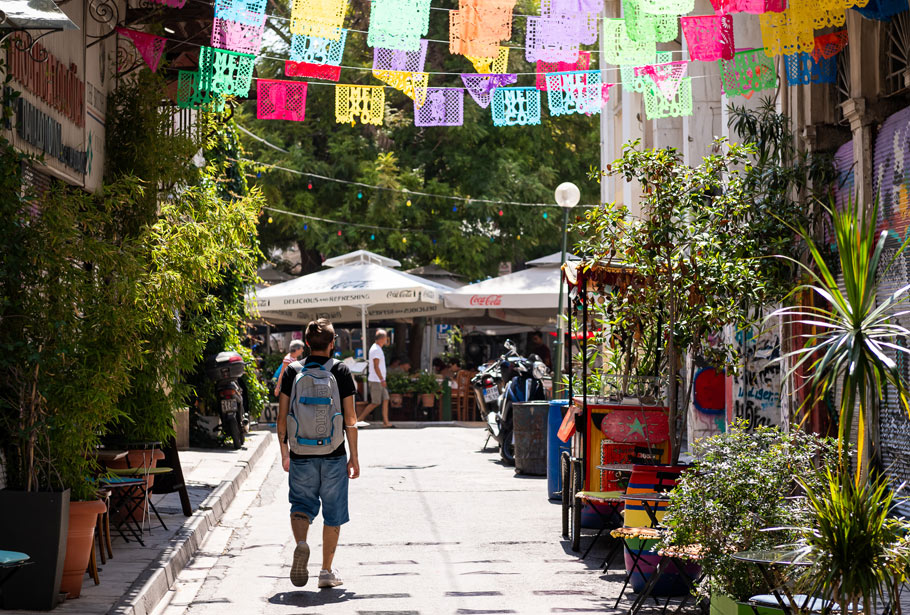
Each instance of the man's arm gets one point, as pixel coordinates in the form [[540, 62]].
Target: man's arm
[[282, 430], [377, 370], [350, 429]]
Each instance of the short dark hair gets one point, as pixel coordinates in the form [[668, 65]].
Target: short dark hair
[[319, 334], [537, 334]]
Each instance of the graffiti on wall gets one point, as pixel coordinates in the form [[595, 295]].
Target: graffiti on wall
[[707, 416], [757, 385]]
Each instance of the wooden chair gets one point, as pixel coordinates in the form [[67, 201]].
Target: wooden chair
[[462, 397]]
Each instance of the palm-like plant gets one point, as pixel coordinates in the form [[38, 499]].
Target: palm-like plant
[[853, 334]]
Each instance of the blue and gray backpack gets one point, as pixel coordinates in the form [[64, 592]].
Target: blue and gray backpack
[[315, 422]]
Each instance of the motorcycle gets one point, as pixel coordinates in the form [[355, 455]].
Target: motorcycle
[[521, 381], [225, 369]]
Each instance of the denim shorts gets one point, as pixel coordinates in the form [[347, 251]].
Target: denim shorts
[[320, 478]]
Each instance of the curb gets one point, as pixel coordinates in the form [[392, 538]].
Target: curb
[[156, 580]]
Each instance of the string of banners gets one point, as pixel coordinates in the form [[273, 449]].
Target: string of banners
[[477, 29]]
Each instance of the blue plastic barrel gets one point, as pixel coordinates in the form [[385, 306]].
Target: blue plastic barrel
[[555, 447]]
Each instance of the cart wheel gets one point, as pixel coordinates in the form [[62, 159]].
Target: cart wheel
[[565, 469], [576, 506]]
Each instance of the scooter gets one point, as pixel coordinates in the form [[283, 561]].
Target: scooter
[[225, 369], [522, 378]]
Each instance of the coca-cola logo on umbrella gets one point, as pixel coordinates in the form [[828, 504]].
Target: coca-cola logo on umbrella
[[401, 294], [350, 284], [486, 300]]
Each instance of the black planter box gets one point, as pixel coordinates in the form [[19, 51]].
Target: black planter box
[[34, 523]]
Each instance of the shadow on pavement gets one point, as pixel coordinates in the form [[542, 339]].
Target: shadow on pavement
[[322, 597]]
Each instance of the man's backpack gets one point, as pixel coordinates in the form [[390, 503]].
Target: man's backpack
[[315, 421]]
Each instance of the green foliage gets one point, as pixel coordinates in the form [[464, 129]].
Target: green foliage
[[478, 160], [141, 142], [737, 489], [854, 331], [426, 384], [690, 270], [399, 383], [859, 547]]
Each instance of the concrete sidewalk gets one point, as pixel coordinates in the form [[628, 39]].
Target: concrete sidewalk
[[137, 577]]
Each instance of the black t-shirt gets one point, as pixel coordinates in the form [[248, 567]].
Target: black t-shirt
[[346, 388]]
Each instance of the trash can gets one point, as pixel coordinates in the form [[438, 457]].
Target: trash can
[[555, 447], [530, 423]]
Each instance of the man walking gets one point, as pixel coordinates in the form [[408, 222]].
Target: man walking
[[295, 351], [315, 413], [379, 392]]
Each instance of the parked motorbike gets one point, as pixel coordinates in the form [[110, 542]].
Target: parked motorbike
[[226, 369], [509, 379]]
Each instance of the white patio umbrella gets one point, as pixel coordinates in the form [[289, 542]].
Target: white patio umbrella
[[356, 286], [530, 296]]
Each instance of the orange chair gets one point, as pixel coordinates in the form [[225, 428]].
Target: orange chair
[[462, 397]]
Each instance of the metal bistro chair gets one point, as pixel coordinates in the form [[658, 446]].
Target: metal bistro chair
[[145, 471]]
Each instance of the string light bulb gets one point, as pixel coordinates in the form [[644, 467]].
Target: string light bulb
[[309, 186], [544, 215], [500, 212], [360, 195], [270, 219], [339, 233], [372, 237], [404, 240], [408, 203]]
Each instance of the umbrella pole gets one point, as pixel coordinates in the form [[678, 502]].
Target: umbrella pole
[[363, 330]]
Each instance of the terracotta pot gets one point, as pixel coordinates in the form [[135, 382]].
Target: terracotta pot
[[427, 400], [139, 458], [80, 540], [396, 400]]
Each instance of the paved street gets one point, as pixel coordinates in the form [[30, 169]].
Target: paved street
[[436, 527]]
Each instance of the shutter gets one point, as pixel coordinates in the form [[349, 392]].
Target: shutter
[[891, 182]]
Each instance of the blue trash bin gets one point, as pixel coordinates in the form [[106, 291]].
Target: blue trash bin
[[555, 447]]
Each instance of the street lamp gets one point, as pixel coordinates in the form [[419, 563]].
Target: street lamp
[[567, 197]]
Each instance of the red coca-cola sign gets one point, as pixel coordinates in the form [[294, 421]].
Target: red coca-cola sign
[[486, 300]]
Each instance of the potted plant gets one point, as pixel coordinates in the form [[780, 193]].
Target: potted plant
[[398, 385], [737, 489], [80, 538], [427, 387]]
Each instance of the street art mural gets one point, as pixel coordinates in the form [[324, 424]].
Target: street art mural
[[757, 385], [708, 414]]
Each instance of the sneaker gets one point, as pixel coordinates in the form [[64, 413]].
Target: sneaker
[[329, 578], [362, 424], [299, 573]]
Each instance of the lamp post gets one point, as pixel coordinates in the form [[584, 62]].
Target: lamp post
[[567, 197]]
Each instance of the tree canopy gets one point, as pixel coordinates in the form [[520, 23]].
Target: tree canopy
[[478, 160]]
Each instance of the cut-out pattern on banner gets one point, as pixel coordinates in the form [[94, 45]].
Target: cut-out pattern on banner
[[574, 92], [237, 36], [640, 84], [829, 45], [225, 72], [444, 107], [665, 77], [315, 71], [620, 49], [516, 106], [709, 37], [802, 69], [882, 10], [819, 13], [399, 60], [318, 50], [366, 102], [643, 27], [582, 63], [755, 7], [786, 33], [666, 7], [280, 100], [580, 26], [321, 18], [658, 106], [398, 24], [479, 26], [241, 11], [551, 39], [499, 64], [191, 96], [149, 46], [481, 86], [750, 71], [412, 85]]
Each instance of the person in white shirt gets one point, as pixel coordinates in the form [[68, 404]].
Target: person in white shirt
[[379, 392]]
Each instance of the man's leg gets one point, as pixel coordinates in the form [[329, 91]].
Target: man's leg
[[330, 535], [385, 412], [303, 480], [300, 525]]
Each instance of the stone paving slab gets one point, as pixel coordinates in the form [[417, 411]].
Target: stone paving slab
[[135, 579]]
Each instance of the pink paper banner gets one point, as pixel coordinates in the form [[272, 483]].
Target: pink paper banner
[[709, 37], [149, 46], [315, 71], [280, 100], [666, 77]]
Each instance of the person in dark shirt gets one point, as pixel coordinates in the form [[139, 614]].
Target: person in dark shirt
[[319, 478], [538, 347]]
